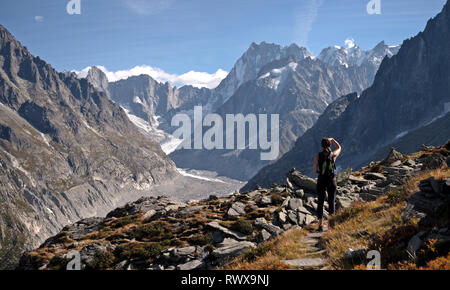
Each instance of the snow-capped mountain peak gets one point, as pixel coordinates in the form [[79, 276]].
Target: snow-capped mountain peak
[[253, 60], [355, 56]]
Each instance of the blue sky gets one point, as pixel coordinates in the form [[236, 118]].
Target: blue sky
[[178, 36]]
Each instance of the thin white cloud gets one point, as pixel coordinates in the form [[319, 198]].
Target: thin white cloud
[[305, 16], [193, 78], [38, 18], [349, 42], [148, 7]]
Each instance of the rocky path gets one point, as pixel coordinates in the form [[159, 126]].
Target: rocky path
[[314, 256]]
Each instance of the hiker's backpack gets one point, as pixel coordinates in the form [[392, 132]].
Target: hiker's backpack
[[326, 164]]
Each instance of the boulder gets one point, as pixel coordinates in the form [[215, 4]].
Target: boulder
[[263, 224], [191, 209], [149, 214], [358, 180], [227, 242], [375, 176], [396, 163], [305, 262], [343, 202], [410, 163], [227, 232], [278, 189], [425, 206], [303, 210], [393, 155], [425, 185], [299, 193], [87, 254], [289, 184], [282, 217], [351, 254], [253, 193], [263, 236], [437, 185], [432, 161], [184, 251], [311, 203], [342, 176], [302, 181], [285, 202], [192, 265], [292, 216], [266, 200], [295, 203], [81, 228], [415, 243], [236, 209], [121, 265], [232, 249], [309, 219]]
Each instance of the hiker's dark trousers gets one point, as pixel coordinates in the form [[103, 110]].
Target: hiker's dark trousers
[[328, 184]]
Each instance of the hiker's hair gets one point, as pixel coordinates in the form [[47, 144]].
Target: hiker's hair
[[326, 144]]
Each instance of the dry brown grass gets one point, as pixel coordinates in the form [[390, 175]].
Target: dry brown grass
[[268, 255], [355, 226], [411, 186], [355, 229]]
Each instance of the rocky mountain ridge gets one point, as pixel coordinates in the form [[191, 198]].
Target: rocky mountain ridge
[[301, 85], [65, 151], [415, 78], [298, 89], [163, 234]]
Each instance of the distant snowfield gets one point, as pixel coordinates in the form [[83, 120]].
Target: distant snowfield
[[185, 173], [277, 75], [169, 144]]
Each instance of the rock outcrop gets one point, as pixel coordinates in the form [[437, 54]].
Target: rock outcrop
[[161, 233], [66, 152]]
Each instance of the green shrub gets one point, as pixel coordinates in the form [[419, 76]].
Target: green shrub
[[253, 254], [395, 196], [277, 199], [242, 226], [200, 239], [102, 260], [123, 222], [152, 231], [138, 251], [58, 263], [225, 204]]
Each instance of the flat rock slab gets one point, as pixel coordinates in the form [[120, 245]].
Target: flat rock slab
[[315, 235], [314, 262]]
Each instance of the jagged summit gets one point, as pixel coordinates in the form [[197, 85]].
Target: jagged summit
[[409, 91], [355, 56]]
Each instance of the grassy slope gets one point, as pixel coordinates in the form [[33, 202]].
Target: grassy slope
[[370, 225]]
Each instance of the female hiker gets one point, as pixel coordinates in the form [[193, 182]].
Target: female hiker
[[324, 165]]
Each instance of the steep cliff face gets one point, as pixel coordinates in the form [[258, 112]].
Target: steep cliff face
[[146, 98], [66, 151], [266, 79], [410, 90], [298, 88]]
